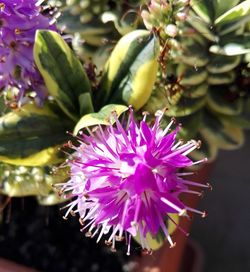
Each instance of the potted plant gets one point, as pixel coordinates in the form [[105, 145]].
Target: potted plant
[[191, 62]]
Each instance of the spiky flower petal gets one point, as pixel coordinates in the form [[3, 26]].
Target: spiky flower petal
[[125, 180]]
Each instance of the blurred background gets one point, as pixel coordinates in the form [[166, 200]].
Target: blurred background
[[224, 234]]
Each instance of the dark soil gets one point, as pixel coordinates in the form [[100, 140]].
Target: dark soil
[[40, 238]]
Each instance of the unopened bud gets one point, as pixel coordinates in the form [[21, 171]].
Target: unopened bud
[[181, 16], [154, 8], [171, 30]]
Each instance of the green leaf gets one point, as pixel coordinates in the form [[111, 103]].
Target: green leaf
[[196, 91], [157, 241], [130, 72], [2, 105], [221, 6], [185, 106], [62, 72], [219, 100], [236, 12], [127, 23], [223, 134], [191, 125], [191, 75], [222, 64], [92, 32], [85, 102], [238, 120], [201, 26], [208, 147], [103, 117], [204, 9], [242, 120], [51, 199], [233, 26], [31, 136], [21, 181], [231, 49], [194, 53], [222, 78]]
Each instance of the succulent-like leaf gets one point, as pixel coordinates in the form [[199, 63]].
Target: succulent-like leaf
[[222, 78], [20, 181], [2, 105], [236, 12], [236, 120], [221, 64], [233, 26], [222, 6], [232, 46], [194, 54], [201, 26], [204, 9], [196, 91], [220, 101], [73, 24], [208, 149], [103, 117], [191, 75], [222, 134], [191, 125], [52, 198], [62, 72], [156, 242], [130, 72], [30, 136], [185, 106]]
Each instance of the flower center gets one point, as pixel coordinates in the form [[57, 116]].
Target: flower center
[[18, 31], [13, 45]]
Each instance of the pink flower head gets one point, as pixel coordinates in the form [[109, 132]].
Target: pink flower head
[[125, 180]]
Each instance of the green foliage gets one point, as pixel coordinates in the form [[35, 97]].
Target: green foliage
[[21, 181], [207, 66], [95, 22], [103, 117], [30, 136], [63, 74], [130, 72]]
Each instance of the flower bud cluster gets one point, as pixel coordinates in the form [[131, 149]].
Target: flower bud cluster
[[165, 16]]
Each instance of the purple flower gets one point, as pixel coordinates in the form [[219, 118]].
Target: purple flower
[[19, 21], [125, 180]]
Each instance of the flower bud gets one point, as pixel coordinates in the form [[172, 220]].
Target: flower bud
[[171, 30], [154, 8], [181, 16]]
